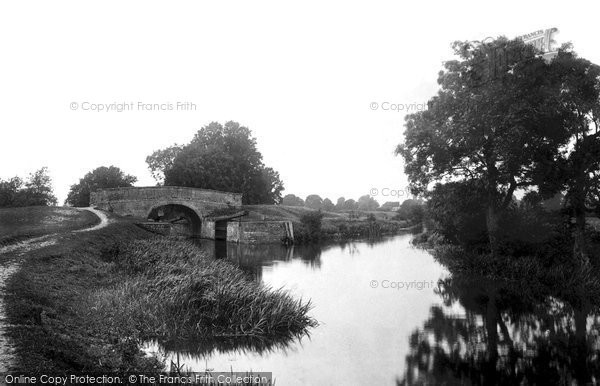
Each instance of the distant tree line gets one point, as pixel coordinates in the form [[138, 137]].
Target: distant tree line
[[36, 190], [410, 209], [314, 201]]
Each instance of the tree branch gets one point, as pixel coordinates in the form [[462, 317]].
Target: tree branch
[[509, 193]]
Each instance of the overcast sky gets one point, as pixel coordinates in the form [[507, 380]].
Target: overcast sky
[[302, 75]]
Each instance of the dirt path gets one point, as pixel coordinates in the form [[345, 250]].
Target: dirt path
[[10, 259], [104, 221]]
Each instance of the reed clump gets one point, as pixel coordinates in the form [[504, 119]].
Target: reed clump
[[174, 291]]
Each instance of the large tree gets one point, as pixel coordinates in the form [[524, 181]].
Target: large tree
[[493, 118], [223, 157], [577, 169], [99, 178]]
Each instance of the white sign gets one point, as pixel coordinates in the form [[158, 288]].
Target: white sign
[[541, 39]]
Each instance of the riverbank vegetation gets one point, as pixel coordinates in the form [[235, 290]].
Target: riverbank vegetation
[[507, 156], [311, 225], [312, 228], [88, 302], [530, 126]]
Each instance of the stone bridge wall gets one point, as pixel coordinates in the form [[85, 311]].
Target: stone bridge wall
[[258, 232], [138, 202]]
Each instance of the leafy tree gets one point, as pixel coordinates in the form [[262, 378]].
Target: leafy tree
[[292, 200], [36, 191], [367, 203], [162, 160], [314, 201], [577, 168], [350, 205], [9, 192], [456, 210], [492, 132], [225, 157], [99, 178], [412, 210], [328, 206], [339, 205]]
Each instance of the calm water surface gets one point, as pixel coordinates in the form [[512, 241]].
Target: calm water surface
[[363, 331], [389, 314]]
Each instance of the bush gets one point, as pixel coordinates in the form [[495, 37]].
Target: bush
[[456, 210], [37, 191], [411, 211], [311, 225]]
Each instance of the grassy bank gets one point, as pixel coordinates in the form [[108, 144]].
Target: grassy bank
[[332, 226], [344, 230], [176, 292], [87, 302], [17, 224], [295, 213]]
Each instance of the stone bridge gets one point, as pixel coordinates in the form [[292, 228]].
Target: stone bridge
[[187, 208]]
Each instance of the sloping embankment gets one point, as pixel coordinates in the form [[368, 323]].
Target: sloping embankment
[[78, 307]]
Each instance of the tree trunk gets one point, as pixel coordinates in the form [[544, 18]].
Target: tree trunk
[[493, 227], [580, 253], [579, 247]]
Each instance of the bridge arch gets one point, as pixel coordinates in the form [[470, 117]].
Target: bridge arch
[[177, 213], [187, 206]]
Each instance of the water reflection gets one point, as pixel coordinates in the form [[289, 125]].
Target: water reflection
[[253, 258], [362, 336], [505, 333], [192, 349], [469, 330]]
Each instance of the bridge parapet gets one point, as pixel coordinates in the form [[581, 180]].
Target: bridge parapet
[[138, 201], [165, 192]]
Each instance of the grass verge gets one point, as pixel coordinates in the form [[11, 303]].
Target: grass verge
[[18, 224], [87, 302]]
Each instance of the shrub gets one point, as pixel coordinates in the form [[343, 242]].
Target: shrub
[[311, 225]]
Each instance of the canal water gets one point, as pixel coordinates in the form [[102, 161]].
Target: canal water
[[389, 314]]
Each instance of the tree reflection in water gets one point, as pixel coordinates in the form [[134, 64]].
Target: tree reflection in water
[[250, 258], [510, 333]]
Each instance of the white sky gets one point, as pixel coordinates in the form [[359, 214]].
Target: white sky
[[301, 75]]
